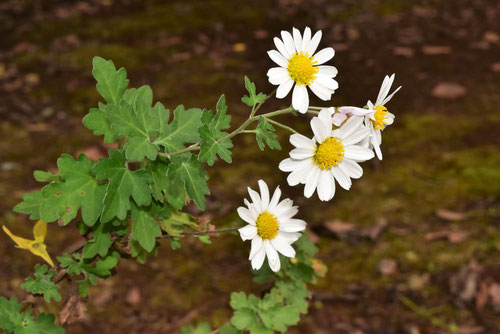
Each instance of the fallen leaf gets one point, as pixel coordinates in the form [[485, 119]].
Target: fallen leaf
[[491, 37], [433, 50], [374, 232], [450, 215], [403, 51], [448, 90], [239, 47], [133, 296], [339, 227], [456, 237], [470, 330], [482, 295], [494, 292], [388, 267], [495, 67], [74, 309]]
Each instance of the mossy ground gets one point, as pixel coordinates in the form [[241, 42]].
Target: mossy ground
[[439, 154]]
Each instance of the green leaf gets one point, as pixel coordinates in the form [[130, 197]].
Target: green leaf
[[42, 284], [201, 328], [238, 300], [261, 330], [265, 135], [80, 189], [73, 267], [162, 186], [12, 321], [253, 98], [228, 329], [45, 325], [138, 123], [211, 147], [182, 130], [30, 205], [145, 229], [284, 317], [100, 243], [194, 176], [97, 121], [104, 265], [123, 184], [111, 83], [244, 319], [9, 313], [178, 221], [42, 176], [294, 294]]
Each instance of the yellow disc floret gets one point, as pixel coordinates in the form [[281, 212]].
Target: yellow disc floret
[[329, 153], [267, 225], [301, 69], [381, 114]]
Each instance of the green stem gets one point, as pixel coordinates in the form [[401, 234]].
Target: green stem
[[283, 126], [239, 130]]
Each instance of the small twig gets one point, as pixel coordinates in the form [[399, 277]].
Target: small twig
[[283, 126], [232, 229], [427, 315]]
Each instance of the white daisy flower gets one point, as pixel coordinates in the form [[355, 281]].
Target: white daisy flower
[[342, 113], [380, 117], [270, 226], [300, 66], [330, 155]]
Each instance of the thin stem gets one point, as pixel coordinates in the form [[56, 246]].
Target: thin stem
[[314, 112], [317, 108], [231, 229], [283, 126]]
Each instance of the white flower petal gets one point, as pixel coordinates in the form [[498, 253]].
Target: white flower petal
[[354, 111], [299, 174], [321, 91], [299, 140], [277, 75], [301, 153], [282, 246], [326, 186], [320, 130], [306, 39], [358, 153], [281, 47], [256, 246], [313, 45], [248, 232], [357, 136], [388, 98], [351, 168], [323, 56], [343, 180], [278, 58], [255, 199], [275, 199], [284, 88], [325, 115], [330, 71], [311, 182], [338, 118], [246, 215], [258, 258], [264, 194], [297, 39], [300, 98], [293, 225], [290, 236], [272, 256], [288, 40], [350, 126], [327, 82]]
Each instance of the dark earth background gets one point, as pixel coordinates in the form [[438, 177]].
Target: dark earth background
[[414, 247]]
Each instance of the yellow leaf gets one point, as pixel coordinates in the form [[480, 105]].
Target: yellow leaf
[[36, 246]]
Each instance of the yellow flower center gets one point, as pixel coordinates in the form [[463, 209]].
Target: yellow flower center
[[329, 153], [267, 225], [380, 117], [301, 69]]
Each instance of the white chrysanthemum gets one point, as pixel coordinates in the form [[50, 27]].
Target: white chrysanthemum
[[380, 117], [300, 66], [270, 226], [330, 155]]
